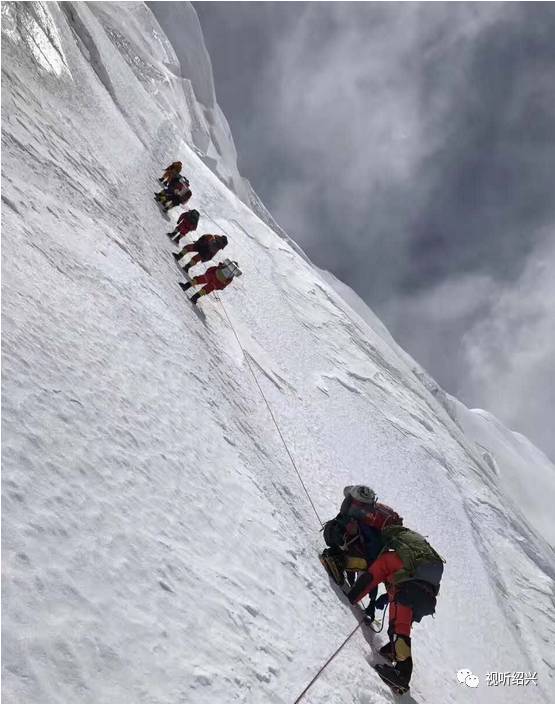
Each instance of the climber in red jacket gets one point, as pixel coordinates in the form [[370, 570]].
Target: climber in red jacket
[[354, 535], [411, 571], [186, 222], [215, 278]]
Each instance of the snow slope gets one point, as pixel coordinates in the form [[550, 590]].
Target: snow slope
[[524, 474], [157, 544]]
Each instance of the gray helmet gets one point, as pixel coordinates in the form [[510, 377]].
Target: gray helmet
[[361, 493]]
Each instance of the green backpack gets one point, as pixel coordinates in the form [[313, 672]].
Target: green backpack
[[413, 549]]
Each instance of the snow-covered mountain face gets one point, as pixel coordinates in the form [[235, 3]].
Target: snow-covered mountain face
[[157, 543]]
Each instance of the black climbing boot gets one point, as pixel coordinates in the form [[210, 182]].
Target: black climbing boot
[[404, 668], [387, 651], [393, 677]]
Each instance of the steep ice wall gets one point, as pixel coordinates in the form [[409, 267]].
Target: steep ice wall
[[157, 543], [192, 63], [213, 142]]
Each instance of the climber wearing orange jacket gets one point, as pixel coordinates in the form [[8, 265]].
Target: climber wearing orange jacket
[[173, 170]]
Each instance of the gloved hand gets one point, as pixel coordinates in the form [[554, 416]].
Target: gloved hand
[[360, 587], [381, 601]]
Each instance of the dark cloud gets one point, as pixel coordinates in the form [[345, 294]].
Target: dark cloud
[[407, 147]]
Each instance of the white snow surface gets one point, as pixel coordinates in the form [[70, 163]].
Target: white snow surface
[[157, 544]]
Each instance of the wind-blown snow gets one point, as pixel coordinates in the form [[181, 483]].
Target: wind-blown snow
[[157, 544]]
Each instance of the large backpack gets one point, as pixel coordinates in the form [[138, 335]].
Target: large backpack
[[230, 269], [420, 560], [191, 216], [335, 531]]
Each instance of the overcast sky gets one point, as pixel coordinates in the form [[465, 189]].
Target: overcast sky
[[409, 148]]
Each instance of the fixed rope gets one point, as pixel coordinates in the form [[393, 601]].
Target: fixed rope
[[297, 471], [313, 680], [283, 440], [328, 661], [380, 629]]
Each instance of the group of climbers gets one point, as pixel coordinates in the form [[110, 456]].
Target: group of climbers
[[367, 542], [176, 191], [368, 545]]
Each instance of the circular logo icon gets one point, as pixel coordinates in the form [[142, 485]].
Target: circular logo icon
[[462, 675]]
